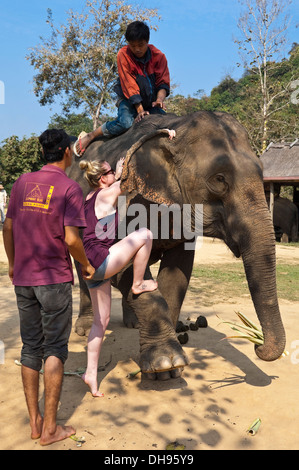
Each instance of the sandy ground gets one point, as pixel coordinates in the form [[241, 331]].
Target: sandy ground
[[225, 388]]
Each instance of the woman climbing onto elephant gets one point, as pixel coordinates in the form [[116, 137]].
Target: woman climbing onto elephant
[[108, 256]]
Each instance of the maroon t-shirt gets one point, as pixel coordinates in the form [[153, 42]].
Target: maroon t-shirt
[[99, 235], [41, 205]]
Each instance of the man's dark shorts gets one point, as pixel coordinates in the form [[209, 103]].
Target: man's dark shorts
[[45, 322]]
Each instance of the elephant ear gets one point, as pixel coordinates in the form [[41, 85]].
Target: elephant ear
[[149, 169]]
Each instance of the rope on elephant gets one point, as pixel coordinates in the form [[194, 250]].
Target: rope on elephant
[[137, 145]]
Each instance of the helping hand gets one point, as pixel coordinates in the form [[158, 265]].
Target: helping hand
[[88, 272], [119, 168]]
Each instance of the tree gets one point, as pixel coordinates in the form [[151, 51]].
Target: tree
[[71, 123], [263, 26], [18, 157], [78, 63]]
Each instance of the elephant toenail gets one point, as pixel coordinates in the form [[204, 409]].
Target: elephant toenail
[[163, 363], [178, 361]]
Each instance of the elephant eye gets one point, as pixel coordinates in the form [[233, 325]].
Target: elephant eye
[[220, 178], [217, 185]]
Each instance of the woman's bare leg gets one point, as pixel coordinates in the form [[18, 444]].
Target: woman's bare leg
[[101, 304], [136, 246]]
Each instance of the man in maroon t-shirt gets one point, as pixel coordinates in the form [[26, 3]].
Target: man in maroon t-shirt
[[41, 228]]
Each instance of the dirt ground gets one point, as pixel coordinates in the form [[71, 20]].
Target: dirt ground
[[223, 390]]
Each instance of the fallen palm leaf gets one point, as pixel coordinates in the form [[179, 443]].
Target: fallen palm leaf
[[253, 333]]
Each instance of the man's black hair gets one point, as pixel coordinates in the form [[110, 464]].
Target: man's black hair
[[137, 31], [54, 143]]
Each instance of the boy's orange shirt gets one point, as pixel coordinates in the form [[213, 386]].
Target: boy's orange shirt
[[140, 80]]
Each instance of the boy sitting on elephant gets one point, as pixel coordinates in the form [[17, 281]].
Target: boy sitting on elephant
[[142, 86]]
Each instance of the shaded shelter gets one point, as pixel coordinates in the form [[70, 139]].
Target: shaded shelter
[[281, 168]]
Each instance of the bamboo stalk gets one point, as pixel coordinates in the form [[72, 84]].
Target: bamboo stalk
[[253, 429]]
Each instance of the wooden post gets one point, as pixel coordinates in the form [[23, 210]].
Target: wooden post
[[272, 199]]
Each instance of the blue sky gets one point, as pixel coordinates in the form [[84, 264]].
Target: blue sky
[[196, 36]]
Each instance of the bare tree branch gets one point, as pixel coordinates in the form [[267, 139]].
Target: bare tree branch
[[78, 62]]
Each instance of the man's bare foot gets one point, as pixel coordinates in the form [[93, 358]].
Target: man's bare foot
[[144, 286], [61, 433], [92, 383], [36, 428]]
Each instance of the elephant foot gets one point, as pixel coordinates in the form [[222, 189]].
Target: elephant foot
[[166, 375], [83, 325], [164, 364]]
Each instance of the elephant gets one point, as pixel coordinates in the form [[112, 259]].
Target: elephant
[[285, 218], [209, 164]]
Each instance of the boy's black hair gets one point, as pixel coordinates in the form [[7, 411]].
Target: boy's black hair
[[137, 31], [54, 143]]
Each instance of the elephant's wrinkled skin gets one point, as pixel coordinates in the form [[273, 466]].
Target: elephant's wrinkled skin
[[210, 162]]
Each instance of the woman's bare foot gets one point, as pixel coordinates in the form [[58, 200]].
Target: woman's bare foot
[[36, 428], [144, 286], [60, 433], [92, 383]]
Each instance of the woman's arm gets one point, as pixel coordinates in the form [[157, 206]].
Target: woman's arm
[[106, 200]]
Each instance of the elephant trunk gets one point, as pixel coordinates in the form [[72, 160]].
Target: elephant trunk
[[257, 247]]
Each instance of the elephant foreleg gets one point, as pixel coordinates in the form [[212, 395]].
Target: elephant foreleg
[[159, 348], [174, 276], [123, 281]]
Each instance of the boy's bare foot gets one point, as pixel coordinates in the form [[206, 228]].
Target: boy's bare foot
[[92, 383], [80, 145], [61, 433], [36, 428], [144, 286]]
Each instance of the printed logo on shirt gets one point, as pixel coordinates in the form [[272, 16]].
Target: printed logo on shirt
[[38, 195]]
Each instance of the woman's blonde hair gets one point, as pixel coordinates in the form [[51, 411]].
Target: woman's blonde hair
[[93, 171]]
